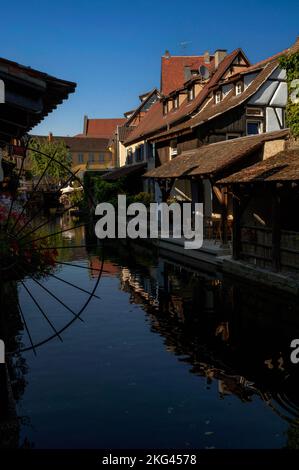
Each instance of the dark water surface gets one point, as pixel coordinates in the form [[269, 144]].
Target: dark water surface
[[169, 357]]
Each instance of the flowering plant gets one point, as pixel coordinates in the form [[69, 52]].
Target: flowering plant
[[22, 252]]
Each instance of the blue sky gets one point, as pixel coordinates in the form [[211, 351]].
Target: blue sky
[[112, 49]]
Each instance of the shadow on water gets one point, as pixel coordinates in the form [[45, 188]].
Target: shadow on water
[[233, 335]]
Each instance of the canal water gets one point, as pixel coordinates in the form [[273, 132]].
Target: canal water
[[167, 356]]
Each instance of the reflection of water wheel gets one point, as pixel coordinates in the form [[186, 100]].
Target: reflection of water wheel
[[35, 252]]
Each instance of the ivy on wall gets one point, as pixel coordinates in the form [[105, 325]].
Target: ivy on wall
[[291, 64]]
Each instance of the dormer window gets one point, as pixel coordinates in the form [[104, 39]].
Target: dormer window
[[239, 88], [165, 107], [191, 93], [218, 96], [175, 104]]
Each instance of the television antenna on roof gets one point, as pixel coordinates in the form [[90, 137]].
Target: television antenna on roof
[[184, 44]]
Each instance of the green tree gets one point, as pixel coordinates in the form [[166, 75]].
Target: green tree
[[57, 169], [291, 64]]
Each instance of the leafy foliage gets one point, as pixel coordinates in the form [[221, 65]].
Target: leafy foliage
[[58, 169], [291, 64], [144, 197]]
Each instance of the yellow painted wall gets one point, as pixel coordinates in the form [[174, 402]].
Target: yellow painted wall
[[107, 163]]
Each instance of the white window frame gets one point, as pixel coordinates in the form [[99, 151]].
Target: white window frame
[[218, 97], [191, 93], [173, 152], [238, 88], [260, 112], [260, 123], [176, 102]]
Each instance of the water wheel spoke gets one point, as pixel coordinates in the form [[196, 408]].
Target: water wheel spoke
[[42, 311], [40, 210], [55, 297]]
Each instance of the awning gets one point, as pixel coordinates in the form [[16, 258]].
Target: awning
[[212, 159], [126, 170]]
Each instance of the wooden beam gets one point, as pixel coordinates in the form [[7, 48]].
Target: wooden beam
[[219, 193], [236, 227], [224, 215]]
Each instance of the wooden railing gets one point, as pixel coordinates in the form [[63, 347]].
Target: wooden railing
[[256, 247], [213, 228]]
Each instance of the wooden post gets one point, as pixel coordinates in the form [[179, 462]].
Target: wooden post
[[276, 230], [236, 226], [224, 216]]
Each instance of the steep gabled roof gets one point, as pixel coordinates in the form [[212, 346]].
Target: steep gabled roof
[[231, 101], [146, 101], [173, 70], [155, 120]]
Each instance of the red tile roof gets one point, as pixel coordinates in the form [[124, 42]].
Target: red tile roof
[[102, 127], [173, 70], [212, 110], [159, 125], [155, 120]]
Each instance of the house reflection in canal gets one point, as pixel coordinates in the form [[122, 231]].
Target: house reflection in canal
[[227, 331]]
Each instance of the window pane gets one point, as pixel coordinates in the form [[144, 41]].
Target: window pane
[[252, 128]]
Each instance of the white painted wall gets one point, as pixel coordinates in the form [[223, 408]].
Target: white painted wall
[[280, 97], [272, 123], [264, 94]]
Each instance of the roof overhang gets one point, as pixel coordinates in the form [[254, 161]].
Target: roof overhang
[[124, 171], [212, 160], [29, 96]]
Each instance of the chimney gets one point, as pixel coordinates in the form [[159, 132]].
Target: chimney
[[187, 73], [219, 56], [206, 57], [50, 137], [167, 54], [85, 125]]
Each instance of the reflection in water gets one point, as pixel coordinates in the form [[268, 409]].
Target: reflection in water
[[228, 331], [233, 338]]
